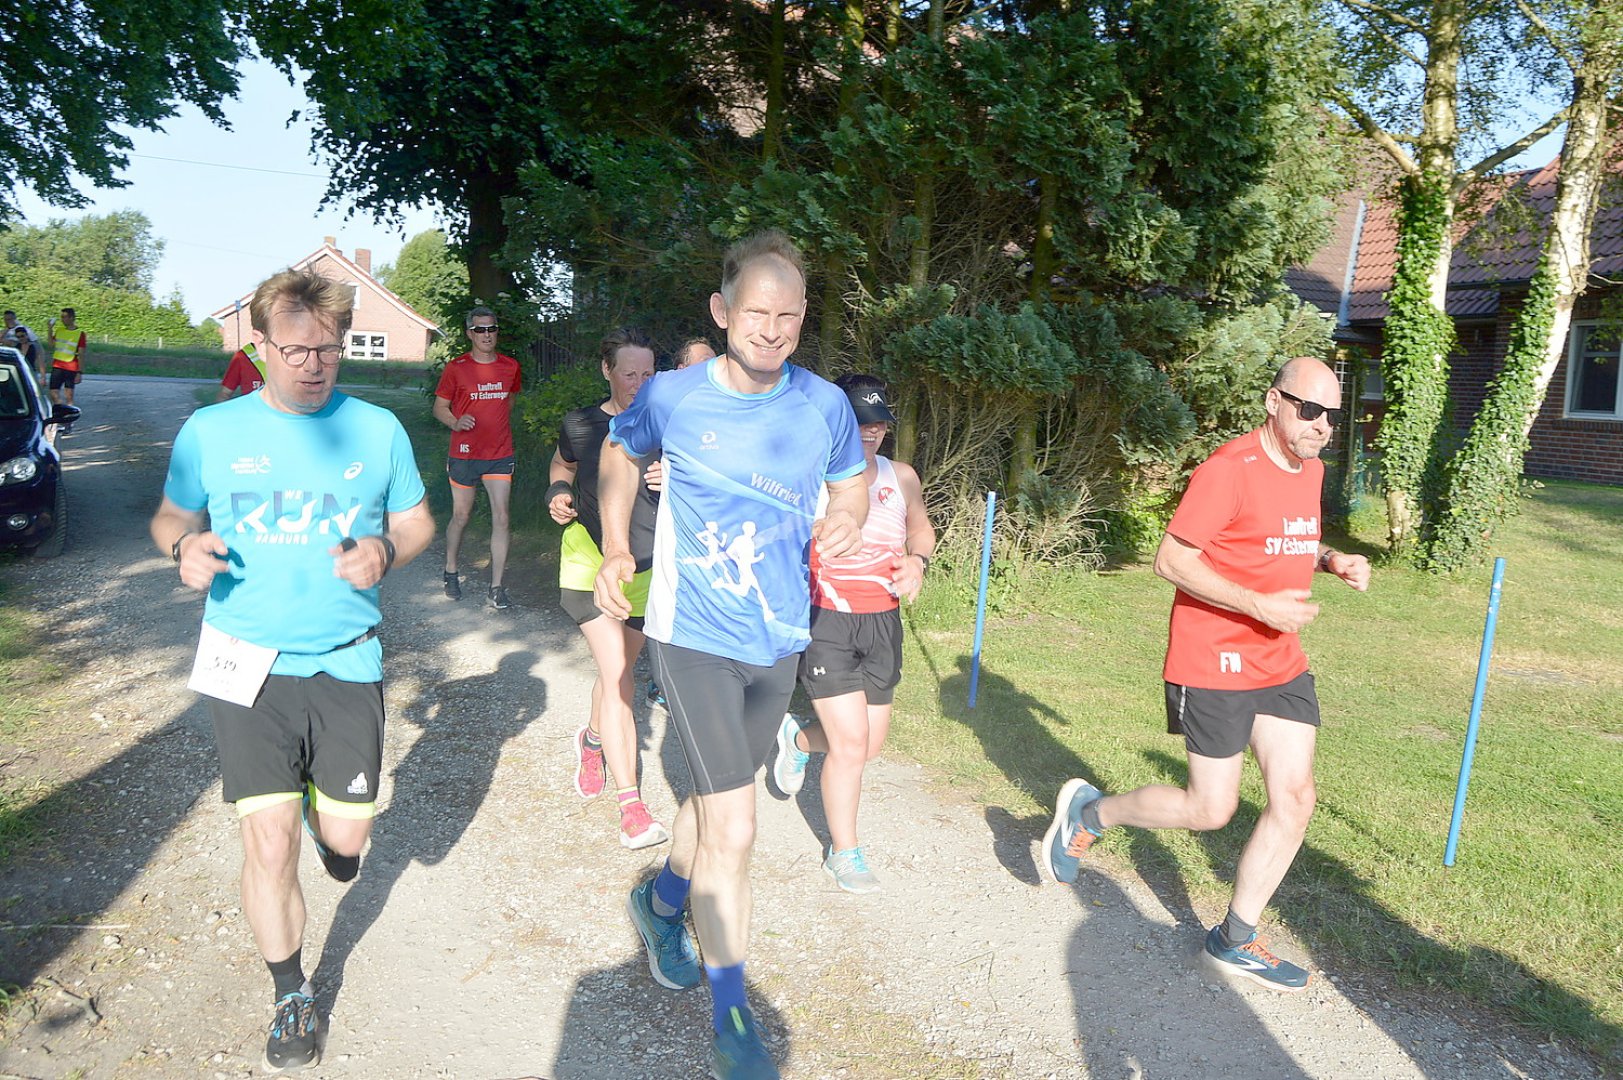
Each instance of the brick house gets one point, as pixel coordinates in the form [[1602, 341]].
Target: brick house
[[1578, 434], [385, 326]]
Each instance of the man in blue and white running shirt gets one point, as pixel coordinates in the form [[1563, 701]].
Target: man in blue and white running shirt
[[287, 507], [749, 441]]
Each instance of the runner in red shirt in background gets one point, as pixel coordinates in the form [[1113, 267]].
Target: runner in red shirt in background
[[1242, 549], [475, 400], [244, 375]]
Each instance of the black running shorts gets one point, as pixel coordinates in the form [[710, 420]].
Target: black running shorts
[[61, 377], [851, 652], [468, 472], [726, 712], [318, 729], [581, 606], [1217, 723]]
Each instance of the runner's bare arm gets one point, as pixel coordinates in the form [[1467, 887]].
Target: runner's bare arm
[[1180, 563], [617, 473], [200, 549], [909, 570], [839, 531], [364, 562], [561, 504], [442, 413]]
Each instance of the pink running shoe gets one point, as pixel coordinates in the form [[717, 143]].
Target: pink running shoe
[[638, 829], [588, 766]]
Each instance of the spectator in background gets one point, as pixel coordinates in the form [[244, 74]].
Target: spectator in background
[[245, 373], [693, 351]]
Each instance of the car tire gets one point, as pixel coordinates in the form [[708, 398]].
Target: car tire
[[54, 544]]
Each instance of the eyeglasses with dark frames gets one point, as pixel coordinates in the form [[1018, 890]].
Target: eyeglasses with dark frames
[[483, 329], [299, 355], [1310, 411]]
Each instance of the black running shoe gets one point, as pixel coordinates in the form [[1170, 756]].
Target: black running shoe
[[453, 586], [292, 1042], [339, 867], [497, 597]]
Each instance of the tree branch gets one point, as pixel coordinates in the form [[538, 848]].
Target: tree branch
[[1573, 63], [1469, 176], [1368, 125], [1385, 12]]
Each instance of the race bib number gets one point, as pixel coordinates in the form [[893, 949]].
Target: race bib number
[[229, 668]]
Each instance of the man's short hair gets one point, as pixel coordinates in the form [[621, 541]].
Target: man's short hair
[[758, 246], [10, 314], [302, 290], [70, 313], [477, 313], [622, 337]]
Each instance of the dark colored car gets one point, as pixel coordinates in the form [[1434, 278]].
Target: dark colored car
[[33, 499]]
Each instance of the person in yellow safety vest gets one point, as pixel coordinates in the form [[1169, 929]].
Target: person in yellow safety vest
[[67, 348], [245, 373]]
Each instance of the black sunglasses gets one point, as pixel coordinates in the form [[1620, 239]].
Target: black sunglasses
[[1312, 410], [481, 329]]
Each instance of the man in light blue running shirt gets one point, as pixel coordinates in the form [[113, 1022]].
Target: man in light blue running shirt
[[749, 442], [287, 507]]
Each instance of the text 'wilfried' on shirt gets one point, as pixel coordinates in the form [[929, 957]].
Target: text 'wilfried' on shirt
[[291, 517], [775, 488], [489, 391], [1301, 537]]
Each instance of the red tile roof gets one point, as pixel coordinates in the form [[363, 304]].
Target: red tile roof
[[1497, 243]]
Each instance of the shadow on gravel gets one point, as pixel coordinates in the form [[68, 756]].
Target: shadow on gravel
[[438, 787], [621, 1023]]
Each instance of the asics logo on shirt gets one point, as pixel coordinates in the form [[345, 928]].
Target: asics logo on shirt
[[353, 471]]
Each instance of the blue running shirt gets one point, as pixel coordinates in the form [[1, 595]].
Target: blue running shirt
[[742, 477], [281, 489]]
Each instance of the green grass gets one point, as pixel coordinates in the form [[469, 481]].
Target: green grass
[[211, 364], [25, 695], [1529, 920]]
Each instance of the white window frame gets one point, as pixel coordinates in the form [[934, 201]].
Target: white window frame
[[366, 345], [1576, 336]]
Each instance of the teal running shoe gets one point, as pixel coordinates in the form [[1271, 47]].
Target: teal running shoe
[[672, 959], [737, 1053], [1067, 839], [1252, 961]]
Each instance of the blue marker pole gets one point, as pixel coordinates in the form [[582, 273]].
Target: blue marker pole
[[980, 602], [1476, 711]]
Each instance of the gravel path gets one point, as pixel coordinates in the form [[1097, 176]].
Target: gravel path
[[486, 936]]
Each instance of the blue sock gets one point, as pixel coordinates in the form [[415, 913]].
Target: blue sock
[[726, 992], [670, 893]]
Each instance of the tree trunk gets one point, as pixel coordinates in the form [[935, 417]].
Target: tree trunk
[[831, 318], [772, 131], [487, 235], [1419, 334], [1483, 480], [1023, 455]]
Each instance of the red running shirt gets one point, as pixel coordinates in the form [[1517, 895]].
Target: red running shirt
[[1259, 527], [486, 391], [241, 376], [864, 582]]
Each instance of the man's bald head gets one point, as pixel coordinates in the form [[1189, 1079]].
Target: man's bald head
[[1302, 371]]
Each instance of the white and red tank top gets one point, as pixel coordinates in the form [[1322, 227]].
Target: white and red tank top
[[863, 582]]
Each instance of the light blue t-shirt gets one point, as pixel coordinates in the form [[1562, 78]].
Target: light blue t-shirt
[[281, 489], [742, 476]]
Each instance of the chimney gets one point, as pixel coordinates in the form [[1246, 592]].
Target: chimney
[[331, 241], [363, 259]]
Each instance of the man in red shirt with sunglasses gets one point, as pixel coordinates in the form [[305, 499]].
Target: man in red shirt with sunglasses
[[1242, 550]]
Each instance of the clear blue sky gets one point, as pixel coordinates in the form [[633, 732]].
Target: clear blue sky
[[229, 224]]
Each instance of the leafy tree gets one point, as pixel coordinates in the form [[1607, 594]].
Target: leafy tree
[[1482, 481], [1424, 80], [429, 277], [39, 293], [116, 250], [79, 73], [447, 103]]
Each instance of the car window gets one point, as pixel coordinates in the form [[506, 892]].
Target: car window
[[13, 398]]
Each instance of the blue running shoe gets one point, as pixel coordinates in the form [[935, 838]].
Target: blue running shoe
[[849, 869], [1252, 961], [656, 695], [672, 960], [1067, 839], [339, 867], [292, 1043], [737, 1053], [789, 770]]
